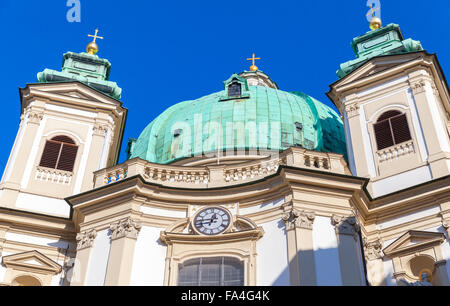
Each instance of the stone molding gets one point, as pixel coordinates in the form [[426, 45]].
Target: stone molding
[[299, 219], [345, 225], [128, 228], [373, 250], [86, 239]]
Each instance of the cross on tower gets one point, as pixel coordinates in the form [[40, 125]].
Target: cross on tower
[[95, 35], [372, 11]]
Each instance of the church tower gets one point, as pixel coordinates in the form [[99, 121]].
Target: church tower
[[71, 125], [394, 101]]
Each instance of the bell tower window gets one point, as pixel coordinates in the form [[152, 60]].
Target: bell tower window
[[391, 129], [59, 153], [234, 90]]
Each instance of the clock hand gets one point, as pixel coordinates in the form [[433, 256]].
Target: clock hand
[[213, 218]]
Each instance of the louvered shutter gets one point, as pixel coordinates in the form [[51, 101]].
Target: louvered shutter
[[67, 158], [50, 154], [400, 128], [383, 135]]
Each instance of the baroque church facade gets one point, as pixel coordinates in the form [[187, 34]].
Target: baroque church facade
[[251, 185]]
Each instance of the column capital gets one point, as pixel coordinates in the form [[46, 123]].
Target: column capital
[[34, 116], [299, 219], [352, 109], [345, 225], [373, 249], [86, 239], [100, 129], [128, 228]]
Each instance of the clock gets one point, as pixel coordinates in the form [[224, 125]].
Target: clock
[[212, 221]]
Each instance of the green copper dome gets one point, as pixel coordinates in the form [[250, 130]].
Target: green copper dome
[[257, 117]]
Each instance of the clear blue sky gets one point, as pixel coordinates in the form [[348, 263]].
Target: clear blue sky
[[165, 52]]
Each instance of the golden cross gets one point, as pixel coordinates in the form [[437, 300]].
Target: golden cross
[[372, 11], [95, 35], [253, 59]]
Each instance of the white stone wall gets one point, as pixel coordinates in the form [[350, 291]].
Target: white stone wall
[[149, 258], [326, 254], [272, 259]]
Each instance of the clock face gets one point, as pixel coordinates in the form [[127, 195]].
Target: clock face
[[212, 221]]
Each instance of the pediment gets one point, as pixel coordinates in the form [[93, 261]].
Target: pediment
[[32, 261], [73, 90], [379, 64], [414, 241]]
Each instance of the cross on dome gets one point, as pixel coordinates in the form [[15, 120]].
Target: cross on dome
[[253, 67]]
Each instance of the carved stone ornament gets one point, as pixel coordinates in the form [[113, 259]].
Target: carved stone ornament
[[345, 225], [125, 228], [373, 250], [86, 239], [301, 219], [34, 116], [100, 129], [352, 109], [418, 87]]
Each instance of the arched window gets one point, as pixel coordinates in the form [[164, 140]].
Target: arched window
[[234, 90], [59, 153], [215, 271], [391, 129]]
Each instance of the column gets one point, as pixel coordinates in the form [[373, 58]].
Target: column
[[123, 240], [347, 237], [299, 225], [85, 241]]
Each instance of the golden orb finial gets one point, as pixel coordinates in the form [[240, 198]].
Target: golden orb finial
[[92, 48], [375, 22], [253, 67]]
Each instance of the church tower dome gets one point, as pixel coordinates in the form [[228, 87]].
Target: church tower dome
[[250, 114]]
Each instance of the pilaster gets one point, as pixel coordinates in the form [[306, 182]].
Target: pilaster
[[98, 145], [124, 235], [353, 127], [299, 225], [374, 262], [441, 273], [434, 129], [14, 171], [347, 236], [85, 242]]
